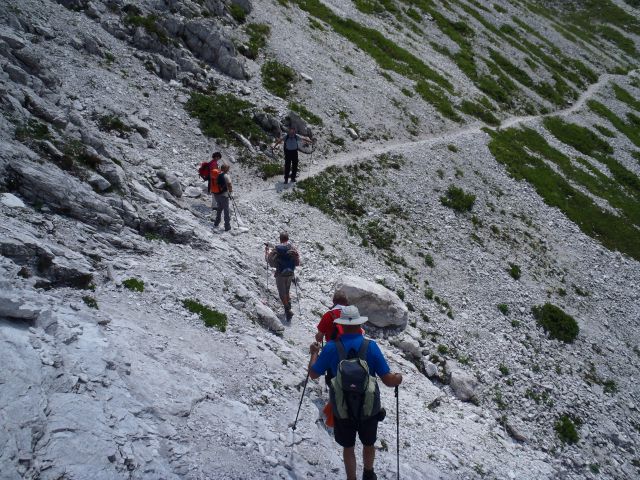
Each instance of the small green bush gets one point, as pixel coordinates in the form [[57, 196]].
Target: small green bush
[[515, 271], [272, 169], [428, 260], [133, 284], [32, 130], [210, 317], [480, 112], [452, 148], [221, 115], [503, 308], [457, 199], [149, 23], [277, 78], [504, 370], [237, 12], [566, 430], [443, 349], [258, 35], [556, 322], [308, 116], [400, 294], [90, 302], [109, 123]]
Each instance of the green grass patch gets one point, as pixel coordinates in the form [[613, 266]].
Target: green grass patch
[[306, 115], [110, 123], [457, 199], [624, 43], [524, 152], [566, 430], [32, 130], [387, 54], [605, 131], [503, 308], [558, 324], [237, 12], [515, 271], [258, 35], [90, 302], [133, 284], [438, 98], [631, 128], [210, 317], [277, 78], [580, 138], [626, 97], [271, 169], [480, 112], [222, 114], [149, 23]]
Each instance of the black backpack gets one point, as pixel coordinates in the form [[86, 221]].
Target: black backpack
[[222, 182], [285, 263], [354, 393]]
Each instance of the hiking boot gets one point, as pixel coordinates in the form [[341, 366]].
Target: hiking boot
[[369, 475]]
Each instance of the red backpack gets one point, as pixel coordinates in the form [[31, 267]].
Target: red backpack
[[203, 171]]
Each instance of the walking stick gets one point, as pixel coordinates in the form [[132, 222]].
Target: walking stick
[[301, 398], [295, 282], [235, 209], [397, 433]]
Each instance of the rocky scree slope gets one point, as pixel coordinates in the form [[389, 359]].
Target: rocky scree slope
[[99, 189]]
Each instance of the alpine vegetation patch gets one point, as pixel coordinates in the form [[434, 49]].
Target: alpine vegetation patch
[[558, 324], [515, 271], [90, 302], [221, 115], [277, 78], [210, 317], [133, 284], [457, 199], [566, 429]]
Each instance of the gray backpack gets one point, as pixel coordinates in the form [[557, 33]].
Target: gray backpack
[[354, 393]]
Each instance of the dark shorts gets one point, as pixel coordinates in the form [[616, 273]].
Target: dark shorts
[[345, 432]]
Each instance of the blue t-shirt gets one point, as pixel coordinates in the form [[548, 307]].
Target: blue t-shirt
[[290, 143], [329, 359]]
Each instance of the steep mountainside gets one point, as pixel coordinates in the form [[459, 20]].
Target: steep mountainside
[[481, 160]]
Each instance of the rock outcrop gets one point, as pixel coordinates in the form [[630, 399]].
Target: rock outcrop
[[383, 307]]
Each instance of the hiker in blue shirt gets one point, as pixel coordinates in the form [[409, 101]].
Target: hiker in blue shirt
[[290, 140], [350, 343]]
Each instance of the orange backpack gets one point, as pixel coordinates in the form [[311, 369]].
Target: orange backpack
[[215, 185]]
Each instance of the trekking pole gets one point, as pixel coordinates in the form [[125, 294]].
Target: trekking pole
[[301, 398], [295, 282], [235, 209], [397, 432]]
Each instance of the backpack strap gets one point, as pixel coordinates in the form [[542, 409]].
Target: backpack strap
[[362, 353], [341, 353]]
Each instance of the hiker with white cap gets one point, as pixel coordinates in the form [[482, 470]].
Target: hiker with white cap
[[354, 362]]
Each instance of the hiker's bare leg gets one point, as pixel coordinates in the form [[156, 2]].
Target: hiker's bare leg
[[368, 456], [349, 455]]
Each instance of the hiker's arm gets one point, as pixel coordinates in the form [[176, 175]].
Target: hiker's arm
[[314, 349], [391, 379], [319, 336]]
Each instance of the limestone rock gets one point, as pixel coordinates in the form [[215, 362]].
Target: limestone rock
[[383, 307], [464, 385], [265, 316], [11, 201], [98, 182]]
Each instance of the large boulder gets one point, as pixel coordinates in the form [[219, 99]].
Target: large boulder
[[463, 384], [383, 307]]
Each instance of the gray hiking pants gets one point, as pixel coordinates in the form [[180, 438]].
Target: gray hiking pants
[[283, 282], [222, 206]]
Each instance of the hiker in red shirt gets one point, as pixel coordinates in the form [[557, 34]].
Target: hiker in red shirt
[[326, 327]]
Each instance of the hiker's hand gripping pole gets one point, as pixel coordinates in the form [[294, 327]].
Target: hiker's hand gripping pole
[[313, 349]]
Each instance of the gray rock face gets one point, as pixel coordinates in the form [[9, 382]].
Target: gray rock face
[[58, 265], [430, 369], [64, 194], [383, 307], [265, 316], [464, 385], [268, 123], [98, 182], [294, 120], [167, 69], [209, 44], [172, 183]]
